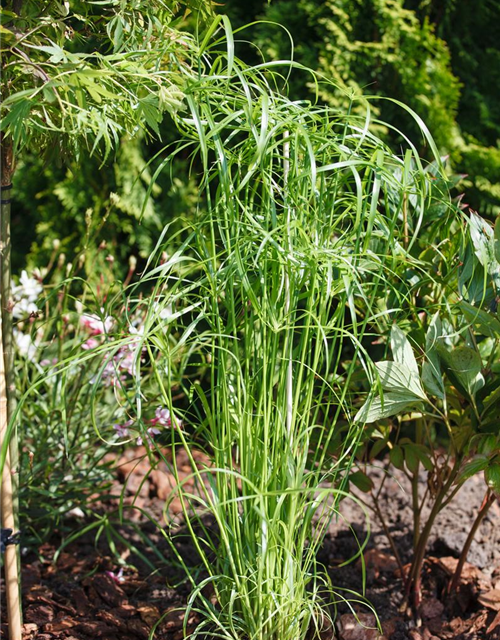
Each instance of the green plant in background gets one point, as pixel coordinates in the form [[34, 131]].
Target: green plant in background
[[54, 203], [429, 54], [304, 215], [455, 391], [432, 56], [57, 329], [69, 95], [471, 32], [367, 47]]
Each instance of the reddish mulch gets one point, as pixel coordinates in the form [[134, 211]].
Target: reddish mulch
[[80, 597]]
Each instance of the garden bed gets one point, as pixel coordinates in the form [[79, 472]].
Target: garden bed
[[83, 595]]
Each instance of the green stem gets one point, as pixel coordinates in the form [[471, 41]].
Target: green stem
[[414, 487], [413, 584], [489, 499]]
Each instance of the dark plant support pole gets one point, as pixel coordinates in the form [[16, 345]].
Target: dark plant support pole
[[7, 169]]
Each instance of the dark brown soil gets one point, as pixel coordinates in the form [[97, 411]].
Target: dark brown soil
[[81, 596]]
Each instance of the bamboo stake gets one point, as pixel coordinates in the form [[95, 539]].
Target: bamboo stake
[[7, 501], [11, 575], [7, 334]]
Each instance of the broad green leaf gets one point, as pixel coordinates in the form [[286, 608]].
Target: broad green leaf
[[393, 403], [484, 323], [492, 477], [397, 377], [432, 377], [378, 447], [463, 368], [497, 240], [7, 37], [411, 459], [461, 435], [477, 464], [422, 454], [361, 481], [402, 351], [396, 456], [432, 383], [488, 445], [492, 399], [482, 238]]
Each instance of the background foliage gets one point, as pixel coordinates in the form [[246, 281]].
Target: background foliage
[[440, 58]]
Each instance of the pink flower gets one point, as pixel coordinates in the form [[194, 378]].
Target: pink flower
[[116, 577], [149, 437], [91, 343], [46, 362], [122, 430], [163, 417], [94, 325]]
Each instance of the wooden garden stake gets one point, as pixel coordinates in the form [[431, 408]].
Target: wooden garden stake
[[7, 500], [10, 568]]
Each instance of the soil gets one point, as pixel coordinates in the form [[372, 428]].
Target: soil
[[76, 592]]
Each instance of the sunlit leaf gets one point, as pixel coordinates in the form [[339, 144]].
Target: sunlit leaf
[[402, 350], [398, 377], [394, 402]]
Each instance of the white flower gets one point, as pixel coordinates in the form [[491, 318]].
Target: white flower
[[23, 308], [28, 288], [164, 312], [25, 295], [27, 347]]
